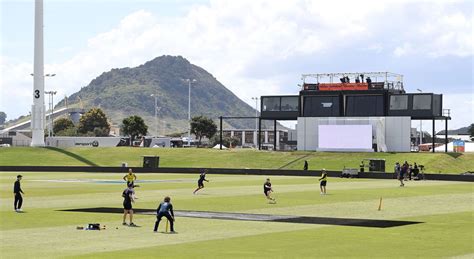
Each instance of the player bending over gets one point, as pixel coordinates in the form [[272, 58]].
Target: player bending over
[[267, 189], [323, 181], [202, 178], [128, 198], [165, 210]]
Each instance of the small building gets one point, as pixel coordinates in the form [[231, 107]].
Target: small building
[[249, 138], [364, 112], [17, 138]]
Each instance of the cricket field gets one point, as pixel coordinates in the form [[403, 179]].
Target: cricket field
[[442, 213]]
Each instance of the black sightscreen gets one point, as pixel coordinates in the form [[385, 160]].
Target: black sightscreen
[[365, 105], [321, 106]]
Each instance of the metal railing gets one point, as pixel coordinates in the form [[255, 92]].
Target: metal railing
[[447, 112], [391, 81]]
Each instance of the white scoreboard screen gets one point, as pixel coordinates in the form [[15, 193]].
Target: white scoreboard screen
[[345, 137]]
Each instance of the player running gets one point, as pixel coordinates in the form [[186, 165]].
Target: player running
[[128, 198], [267, 189], [323, 181], [202, 178], [402, 174], [165, 210], [130, 177]]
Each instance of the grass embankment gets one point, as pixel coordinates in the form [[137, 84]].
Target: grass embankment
[[235, 158]]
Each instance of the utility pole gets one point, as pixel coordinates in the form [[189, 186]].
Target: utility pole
[[256, 119], [51, 110], [156, 112], [189, 109], [50, 106], [421, 124]]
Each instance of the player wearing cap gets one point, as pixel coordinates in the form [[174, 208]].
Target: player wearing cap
[[17, 191], [165, 210]]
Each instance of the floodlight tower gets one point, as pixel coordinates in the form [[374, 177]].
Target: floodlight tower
[[38, 109]]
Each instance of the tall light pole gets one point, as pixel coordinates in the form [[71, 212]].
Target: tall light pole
[[156, 112], [421, 124], [256, 120], [37, 109], [189, 109], [51, 109]]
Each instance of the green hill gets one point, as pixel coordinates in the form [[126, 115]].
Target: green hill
[[126, 91], [460, 131], [234, 158]]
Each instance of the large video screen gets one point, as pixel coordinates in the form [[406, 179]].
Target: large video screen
[[355, 137]]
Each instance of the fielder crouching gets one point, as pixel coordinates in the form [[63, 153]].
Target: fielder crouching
[[165, 210]]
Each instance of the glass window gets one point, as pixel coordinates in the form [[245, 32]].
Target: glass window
[[437, 105], [271, 103], [249, 137], [398, 102], [238, 135], [421, 102], [321, 106], [365, 105], [270, 136], [289, 103]]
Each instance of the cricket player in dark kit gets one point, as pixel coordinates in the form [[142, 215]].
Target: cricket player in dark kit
[[128, 198], [202, 178], [165, 210], [267, 190], [18, 191]]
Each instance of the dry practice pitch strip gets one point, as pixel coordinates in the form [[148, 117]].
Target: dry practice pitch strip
[[262, 217]]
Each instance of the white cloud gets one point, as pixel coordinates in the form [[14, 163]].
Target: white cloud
[[65, 49], [406, 49], [461, 108], [240, 42], [15, 99], [440, 30]]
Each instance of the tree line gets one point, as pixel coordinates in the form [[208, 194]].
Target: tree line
[[94, 123]]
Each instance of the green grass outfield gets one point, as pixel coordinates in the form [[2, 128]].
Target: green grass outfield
[[446, 208], [236, 158]]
